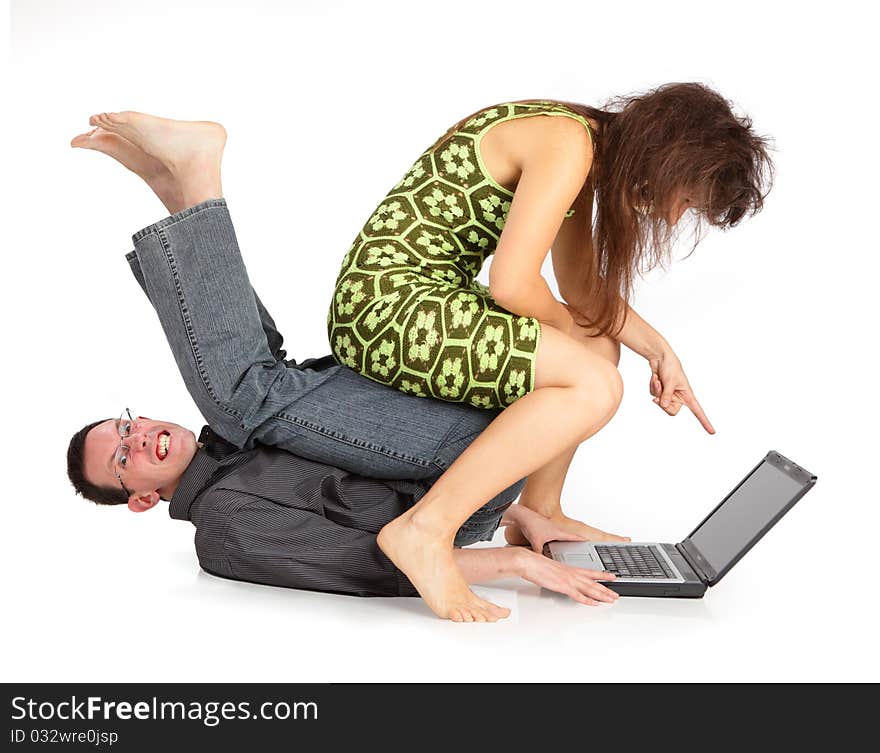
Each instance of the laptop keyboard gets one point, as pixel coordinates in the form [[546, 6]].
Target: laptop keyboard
[[633, 562]]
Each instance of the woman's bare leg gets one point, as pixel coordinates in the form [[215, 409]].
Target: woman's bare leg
[[543, 494], [576, 393], [543, 489]]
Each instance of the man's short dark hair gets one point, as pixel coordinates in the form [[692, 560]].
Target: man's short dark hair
[[102, 495]]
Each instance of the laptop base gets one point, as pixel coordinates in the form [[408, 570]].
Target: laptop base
[[691, 587], [658, 590]]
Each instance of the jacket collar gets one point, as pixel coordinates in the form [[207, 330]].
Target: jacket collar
[[214, 454]]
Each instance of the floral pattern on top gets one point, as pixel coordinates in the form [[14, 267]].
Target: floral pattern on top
[[407, 310]]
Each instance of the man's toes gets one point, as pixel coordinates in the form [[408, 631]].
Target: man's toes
[[104, 121], [82, 138]]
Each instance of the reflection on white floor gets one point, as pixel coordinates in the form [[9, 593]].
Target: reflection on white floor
[[122, 597], [128, 607]]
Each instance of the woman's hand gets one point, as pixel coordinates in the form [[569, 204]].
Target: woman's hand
[[578, 583], [538, 530], [671, 389]]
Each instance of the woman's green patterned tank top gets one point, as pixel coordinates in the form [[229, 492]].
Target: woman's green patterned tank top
[[407, 310], [448, 204]]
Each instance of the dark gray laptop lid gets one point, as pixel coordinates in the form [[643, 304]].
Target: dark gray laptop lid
[[750, 510]]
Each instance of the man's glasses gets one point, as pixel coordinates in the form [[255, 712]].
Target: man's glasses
[[120, 460]]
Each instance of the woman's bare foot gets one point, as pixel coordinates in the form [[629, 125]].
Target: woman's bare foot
[[153, 172], [588, 532], [428, 563], [514, 536], [192, 150]]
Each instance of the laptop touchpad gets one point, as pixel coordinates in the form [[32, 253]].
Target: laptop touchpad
[[582, 559]]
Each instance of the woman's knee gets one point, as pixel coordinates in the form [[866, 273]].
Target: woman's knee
[[596, 398], [595, 382], [604, 346], [602, 389], [564, 362]]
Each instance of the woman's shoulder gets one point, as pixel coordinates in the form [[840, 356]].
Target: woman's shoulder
[[520, 119], [507, 134], [522, 136]]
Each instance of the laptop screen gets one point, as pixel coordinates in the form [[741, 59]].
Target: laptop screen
[[749, 511]]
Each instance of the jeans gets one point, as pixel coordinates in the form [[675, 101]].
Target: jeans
[[229, 353]]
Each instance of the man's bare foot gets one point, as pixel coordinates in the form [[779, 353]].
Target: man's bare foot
[[192, 150], [153, 172], [514, 536], [428, 563], [175, 143]]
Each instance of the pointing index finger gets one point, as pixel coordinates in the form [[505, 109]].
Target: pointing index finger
[[691, 402]]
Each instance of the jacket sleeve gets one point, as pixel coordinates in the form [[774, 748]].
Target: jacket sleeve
[[280, 545], [224, 342]]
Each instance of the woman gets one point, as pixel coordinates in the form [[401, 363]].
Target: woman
[[408, 312]]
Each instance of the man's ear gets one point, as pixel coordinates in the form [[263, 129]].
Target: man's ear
[[143, 502]]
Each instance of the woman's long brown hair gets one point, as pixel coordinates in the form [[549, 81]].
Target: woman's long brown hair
[[679, 136]]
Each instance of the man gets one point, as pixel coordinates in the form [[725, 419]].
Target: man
[[264, 484]]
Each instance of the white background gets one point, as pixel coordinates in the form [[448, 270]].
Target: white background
[[326, 105]]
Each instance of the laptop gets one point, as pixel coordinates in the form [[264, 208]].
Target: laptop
[[687, 569]]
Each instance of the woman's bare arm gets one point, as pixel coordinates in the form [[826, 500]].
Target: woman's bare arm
[[572, 254], [555, 164], [572, 250], [636, 333], [641, 337]]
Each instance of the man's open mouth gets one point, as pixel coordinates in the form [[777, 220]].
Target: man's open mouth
[[163, 444]]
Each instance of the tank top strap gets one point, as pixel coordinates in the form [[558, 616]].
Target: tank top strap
[[490, 116], [477, 125], [554, 108]]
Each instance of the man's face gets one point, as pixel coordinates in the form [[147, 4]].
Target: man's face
[[150, 472]]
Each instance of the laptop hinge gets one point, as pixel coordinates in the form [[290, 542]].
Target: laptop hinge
[[682, 549]]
